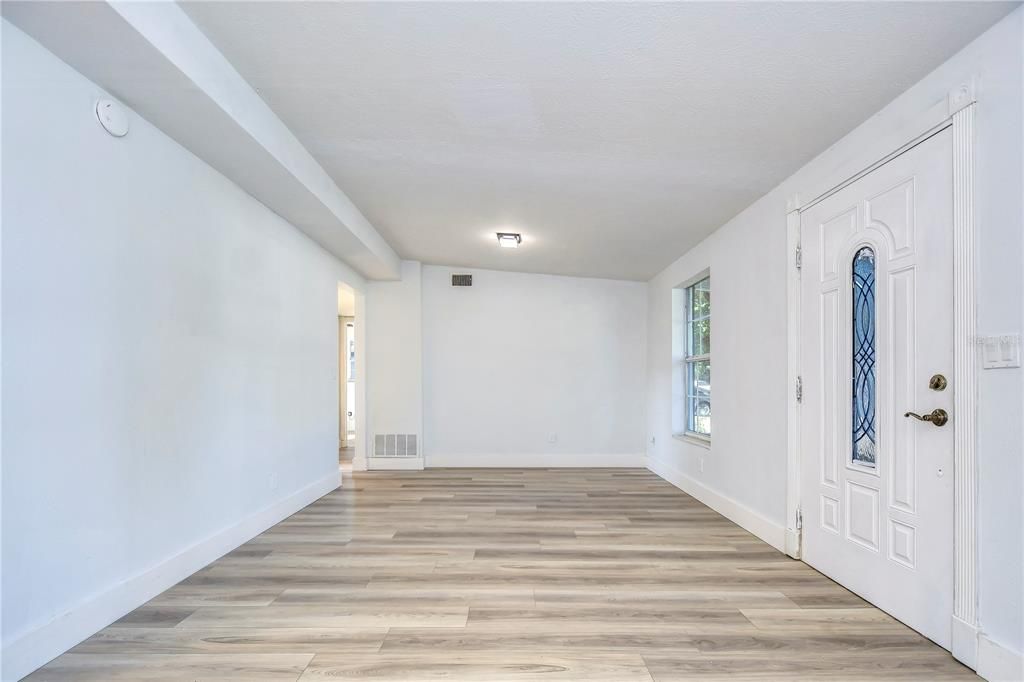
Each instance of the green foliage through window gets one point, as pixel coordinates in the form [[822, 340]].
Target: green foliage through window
[[698, 358]]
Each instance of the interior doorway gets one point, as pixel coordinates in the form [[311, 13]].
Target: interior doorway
[[347, 348]]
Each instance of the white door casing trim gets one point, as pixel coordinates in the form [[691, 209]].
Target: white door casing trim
[[965, 399], [957, 113], [794, 522]]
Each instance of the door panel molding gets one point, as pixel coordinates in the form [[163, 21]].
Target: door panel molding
[[957, 113]]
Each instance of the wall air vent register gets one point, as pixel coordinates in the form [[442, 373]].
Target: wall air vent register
[[395, 445]]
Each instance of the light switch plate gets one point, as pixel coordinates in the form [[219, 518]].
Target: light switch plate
[[1000, 352]]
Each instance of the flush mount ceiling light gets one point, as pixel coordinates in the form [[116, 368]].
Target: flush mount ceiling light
[[509, 240]]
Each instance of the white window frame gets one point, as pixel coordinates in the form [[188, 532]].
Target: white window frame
[[683, 406], [689, 359]]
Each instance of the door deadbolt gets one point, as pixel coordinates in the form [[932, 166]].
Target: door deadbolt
[[938, 383]]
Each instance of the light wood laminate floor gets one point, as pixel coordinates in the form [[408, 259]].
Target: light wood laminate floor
[[595, 574]]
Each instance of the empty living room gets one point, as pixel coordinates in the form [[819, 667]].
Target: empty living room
[[501, 341]]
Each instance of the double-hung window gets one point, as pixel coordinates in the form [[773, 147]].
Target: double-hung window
[[697, 359]]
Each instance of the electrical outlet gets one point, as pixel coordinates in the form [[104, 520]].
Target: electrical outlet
[[702, 465], [553, 438], [652, 440]]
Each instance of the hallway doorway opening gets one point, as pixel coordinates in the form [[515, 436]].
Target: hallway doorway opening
[[347, 377]]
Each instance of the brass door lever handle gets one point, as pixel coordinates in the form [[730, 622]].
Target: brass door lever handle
[[938, 417]]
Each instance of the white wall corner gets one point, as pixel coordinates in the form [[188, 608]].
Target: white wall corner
[[362, 442], [35, 648], [996, 663], [745, 517], [962, 96]]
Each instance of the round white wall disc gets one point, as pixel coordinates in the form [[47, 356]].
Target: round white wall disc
[[112, 117]]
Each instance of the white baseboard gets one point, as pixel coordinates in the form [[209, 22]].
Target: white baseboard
[[997, 663], [394, 463], [745, 517], [535, 460], [964, 645], [37, 647], [992, 661]]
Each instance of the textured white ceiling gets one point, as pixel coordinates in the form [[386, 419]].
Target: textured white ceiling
[[614, 136]]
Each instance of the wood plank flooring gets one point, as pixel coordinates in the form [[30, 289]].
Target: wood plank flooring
[[596, 574]]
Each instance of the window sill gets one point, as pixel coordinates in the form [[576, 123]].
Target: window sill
[[693, 440]]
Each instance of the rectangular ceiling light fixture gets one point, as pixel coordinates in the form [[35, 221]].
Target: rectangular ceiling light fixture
[[509, 240]]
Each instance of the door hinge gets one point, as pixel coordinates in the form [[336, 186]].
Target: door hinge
[[798, 257], [799, 518], [799, 389]]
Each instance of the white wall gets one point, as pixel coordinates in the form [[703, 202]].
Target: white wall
[[518, 358], [746, 462], [394, 356], [745, 467], [169, 362]]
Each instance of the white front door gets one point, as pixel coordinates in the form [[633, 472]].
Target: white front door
[[877, 325]]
